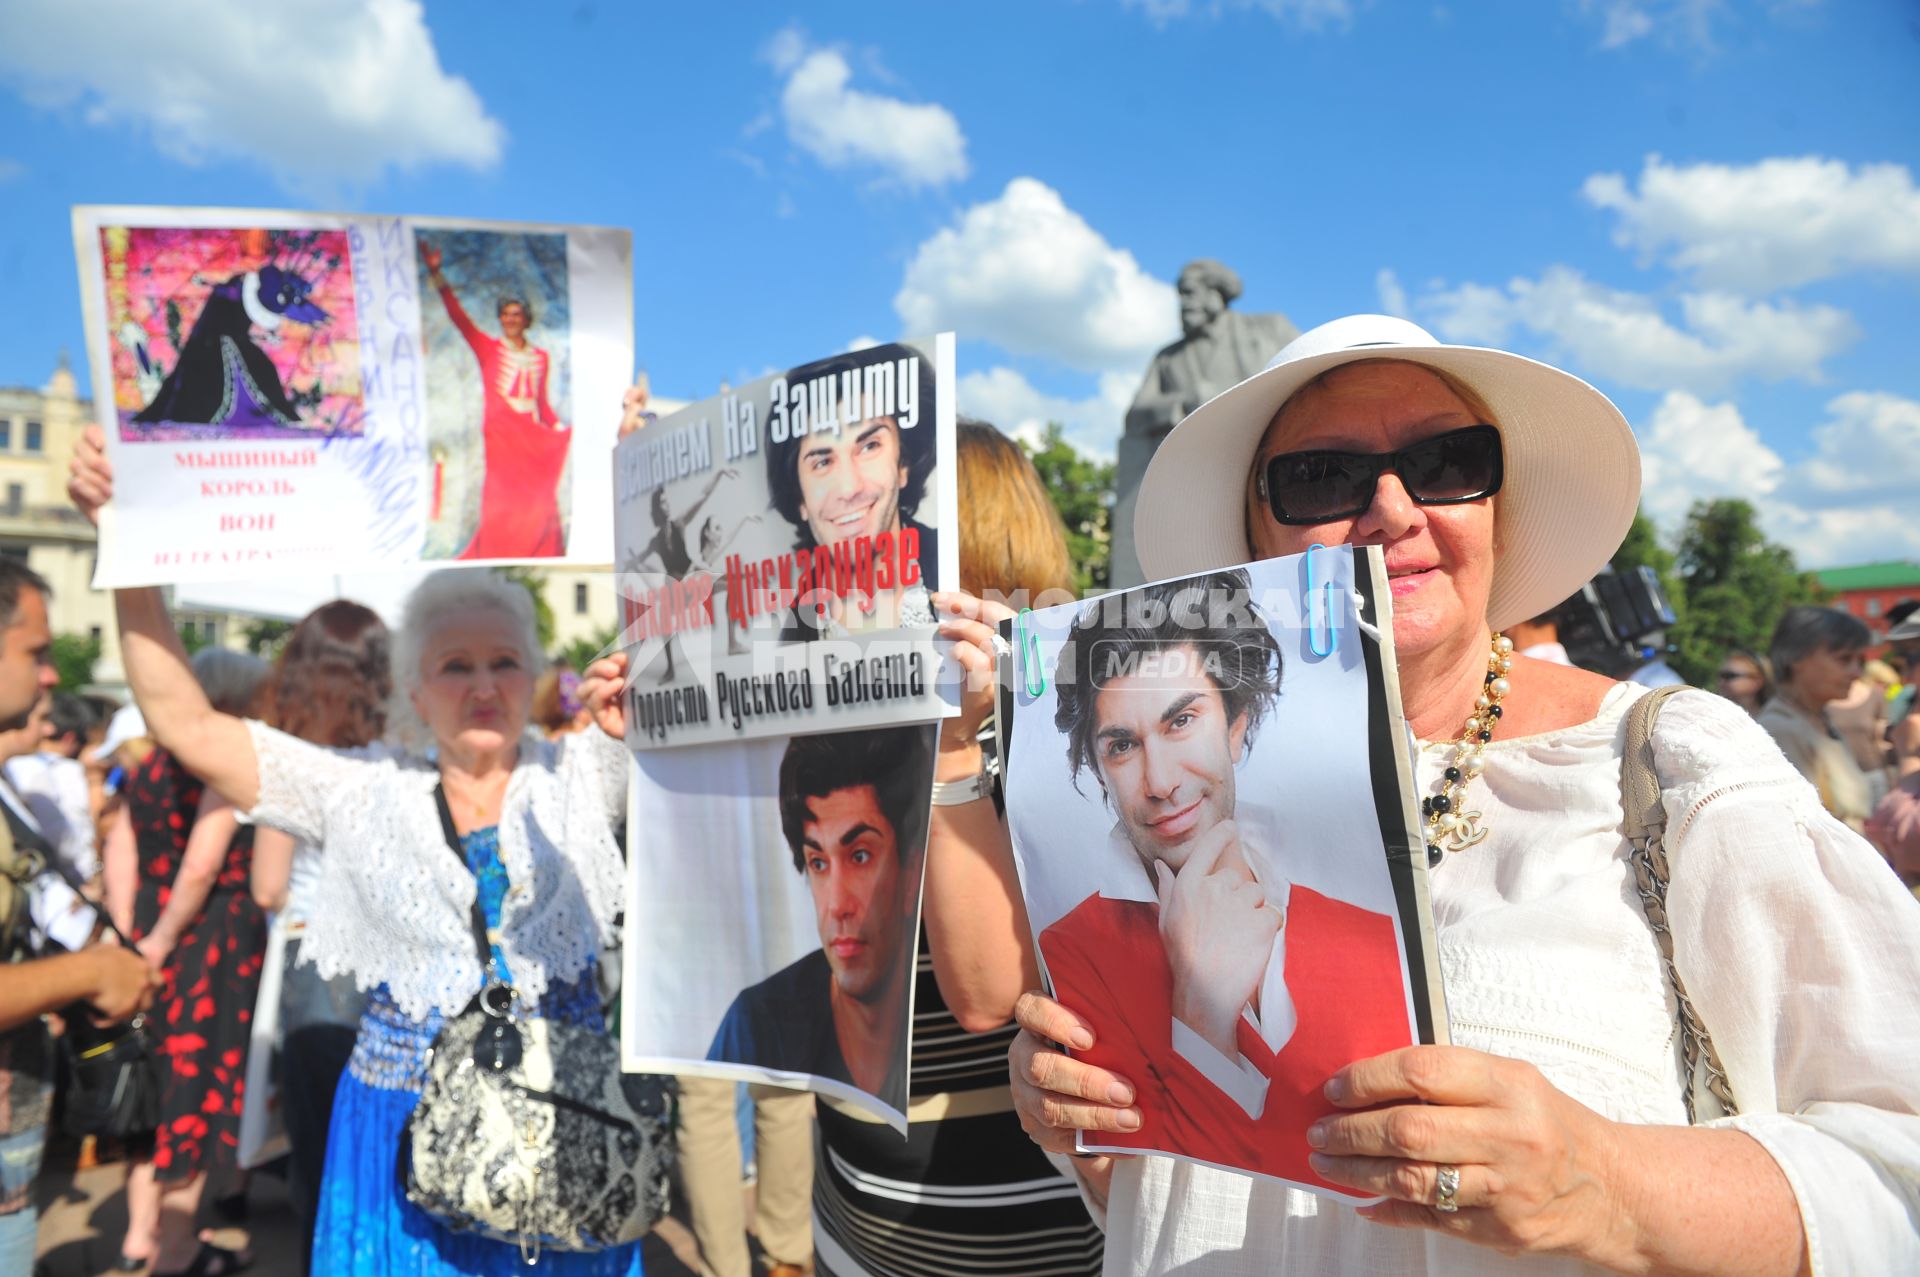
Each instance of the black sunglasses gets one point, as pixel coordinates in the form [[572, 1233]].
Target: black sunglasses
[[1317, 487]]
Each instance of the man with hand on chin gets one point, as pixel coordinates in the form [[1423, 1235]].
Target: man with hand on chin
[[1228, 999]]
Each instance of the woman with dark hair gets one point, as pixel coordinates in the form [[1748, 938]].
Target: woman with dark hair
[[1817, 654], [330, 686], [1746, 679], [193, 921]]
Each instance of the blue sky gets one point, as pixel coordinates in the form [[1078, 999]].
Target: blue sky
[[1707, 207]]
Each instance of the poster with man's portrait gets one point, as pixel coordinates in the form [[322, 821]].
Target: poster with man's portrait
[[1209, 790], [287, 392], [778, 546], [773, 912]]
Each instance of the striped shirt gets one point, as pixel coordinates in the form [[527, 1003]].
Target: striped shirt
[[966, 1192]]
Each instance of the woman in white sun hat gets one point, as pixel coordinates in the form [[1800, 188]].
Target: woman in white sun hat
[[1557, 1126]]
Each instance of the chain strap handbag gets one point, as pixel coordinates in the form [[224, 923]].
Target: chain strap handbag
[[1646, 827], [527, 1131]]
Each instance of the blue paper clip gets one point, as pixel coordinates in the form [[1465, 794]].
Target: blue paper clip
[[1029, 654], [1314, 632]]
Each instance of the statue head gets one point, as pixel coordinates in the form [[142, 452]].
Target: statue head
[[1206, 286]]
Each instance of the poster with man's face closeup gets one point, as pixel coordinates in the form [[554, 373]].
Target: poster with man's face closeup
[[783, 878], [1208, 790]]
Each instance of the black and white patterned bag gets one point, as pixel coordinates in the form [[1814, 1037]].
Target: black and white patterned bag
[[528, 1132]]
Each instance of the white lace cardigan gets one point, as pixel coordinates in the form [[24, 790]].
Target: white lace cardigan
[[392, 905], [1799, 948]]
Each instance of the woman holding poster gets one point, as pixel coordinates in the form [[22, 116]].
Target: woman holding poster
[[1565, 1123], [526, 443], [533, 820]]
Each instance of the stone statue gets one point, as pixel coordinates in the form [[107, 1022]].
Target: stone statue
[[1219, 348]]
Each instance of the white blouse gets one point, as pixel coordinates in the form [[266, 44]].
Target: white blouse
[[393, 905], [1800, 951]]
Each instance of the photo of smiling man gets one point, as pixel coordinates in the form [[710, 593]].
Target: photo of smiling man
[[1226, 990], [853, 810], [857, 475]]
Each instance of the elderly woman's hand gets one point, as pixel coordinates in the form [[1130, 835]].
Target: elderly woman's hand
[[599, 693], [1535, 1166], [90, 474]]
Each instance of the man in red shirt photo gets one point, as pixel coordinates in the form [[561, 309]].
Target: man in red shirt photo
[[1229, 999]]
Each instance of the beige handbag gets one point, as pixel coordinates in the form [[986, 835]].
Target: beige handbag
[[1646, 827]]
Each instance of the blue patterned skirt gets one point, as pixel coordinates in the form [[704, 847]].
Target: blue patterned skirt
[[366, 1226]]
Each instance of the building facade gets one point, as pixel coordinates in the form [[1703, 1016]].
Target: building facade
[[1869, 590]]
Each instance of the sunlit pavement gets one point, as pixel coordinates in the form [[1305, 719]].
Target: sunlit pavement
[[83, 1216]]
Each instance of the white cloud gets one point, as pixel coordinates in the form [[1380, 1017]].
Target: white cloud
[[1848, 501], [1393, 297], [1624, 336], [1757, 228], [862, 342], [1622, 21], [1691, 450], [915, 143], [1028, 274], [1307, 15], [1868, 449], [321, 93], [1008, 400]]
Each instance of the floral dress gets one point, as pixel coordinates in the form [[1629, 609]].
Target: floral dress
[[204, 1012], [367, 1226]]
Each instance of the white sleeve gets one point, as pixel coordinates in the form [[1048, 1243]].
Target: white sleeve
[[1800, 950], [300, 781], [605, 762]]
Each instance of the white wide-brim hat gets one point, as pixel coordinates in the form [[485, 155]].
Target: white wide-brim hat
[[1569, 492]]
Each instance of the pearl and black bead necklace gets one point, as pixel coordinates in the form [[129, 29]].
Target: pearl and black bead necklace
[[1449, 825]]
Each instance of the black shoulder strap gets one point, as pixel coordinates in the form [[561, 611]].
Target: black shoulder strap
[[479, 918]]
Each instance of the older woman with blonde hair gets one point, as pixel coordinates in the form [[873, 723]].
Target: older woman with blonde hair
[[535, 859], [1563, 1125]]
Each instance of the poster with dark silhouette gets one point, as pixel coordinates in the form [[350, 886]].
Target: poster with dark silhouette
[[288, 393]]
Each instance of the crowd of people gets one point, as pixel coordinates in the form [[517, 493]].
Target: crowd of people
[[1563, 1126]]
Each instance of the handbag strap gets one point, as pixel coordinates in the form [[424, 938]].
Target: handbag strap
[[1645, 825], [478, 918]]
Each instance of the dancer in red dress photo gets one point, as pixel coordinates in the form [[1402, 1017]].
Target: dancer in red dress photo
[[526, 443]]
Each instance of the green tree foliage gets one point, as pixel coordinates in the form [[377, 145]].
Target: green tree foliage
[[582, 652], [75, 655], [1735, 584], [535, 583], [265, 636], [1082, 491]]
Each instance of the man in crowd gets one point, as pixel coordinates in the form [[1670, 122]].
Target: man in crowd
[[114, 982], [853, 807], [837, 483], [1226, 994]]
